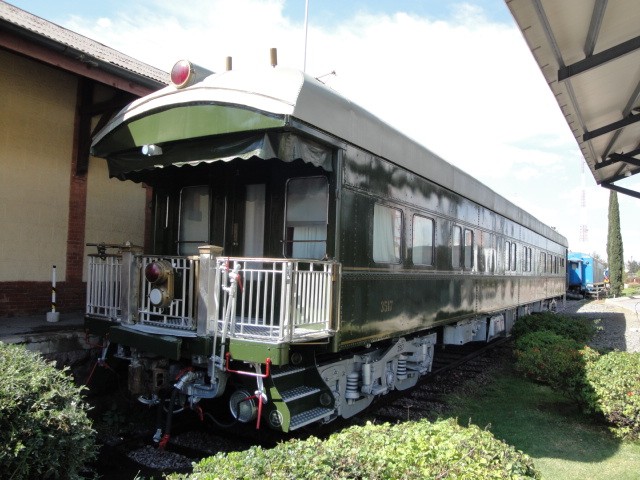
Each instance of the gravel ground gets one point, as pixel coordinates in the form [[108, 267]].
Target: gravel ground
[[618, 328]]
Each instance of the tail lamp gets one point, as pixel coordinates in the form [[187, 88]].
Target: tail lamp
[[160, 275], [185, 73]]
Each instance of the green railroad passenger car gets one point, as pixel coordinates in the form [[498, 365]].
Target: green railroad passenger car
[[306, 257]]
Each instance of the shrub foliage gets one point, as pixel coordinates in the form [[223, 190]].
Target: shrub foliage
[[615, 391], [563, 325], [414, 450], [607, 385], [44, 428], [553, 359]]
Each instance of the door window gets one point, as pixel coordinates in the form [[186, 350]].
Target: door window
[[306, 218], [254, 209], [194, 219]]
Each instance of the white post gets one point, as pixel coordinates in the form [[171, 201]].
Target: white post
[[53, 316]]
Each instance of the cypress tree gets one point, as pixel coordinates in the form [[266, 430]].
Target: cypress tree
[[614, 245]]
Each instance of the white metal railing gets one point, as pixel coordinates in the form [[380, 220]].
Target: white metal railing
[[275, 300], [104, 285], [181, 313]]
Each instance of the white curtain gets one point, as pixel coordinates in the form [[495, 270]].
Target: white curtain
[[254, 208], [194, 219], [307, 203], [309, 241], [386, 234]]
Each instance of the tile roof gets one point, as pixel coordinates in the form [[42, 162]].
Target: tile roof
[[26, 24]]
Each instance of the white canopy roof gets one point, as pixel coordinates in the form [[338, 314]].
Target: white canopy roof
[[589, 53]]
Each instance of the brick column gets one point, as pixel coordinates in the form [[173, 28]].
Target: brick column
[[72, 290]]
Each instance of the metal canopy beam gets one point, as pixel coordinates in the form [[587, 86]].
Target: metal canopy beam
[[598, 59], [629, 120], [616, 188], [619, 157], [594, 27]]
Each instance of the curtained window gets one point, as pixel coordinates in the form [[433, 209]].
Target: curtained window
[[254, 214], [387, 232], [468, 249], [306, 218], [456, 247], [194, 219], [422, 248]]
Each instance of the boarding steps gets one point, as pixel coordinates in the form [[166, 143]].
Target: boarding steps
[[300, 389]]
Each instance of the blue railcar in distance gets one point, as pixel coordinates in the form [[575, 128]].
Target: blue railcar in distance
[[586, 275]]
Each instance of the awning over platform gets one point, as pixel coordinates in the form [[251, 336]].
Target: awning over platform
[[589, 53]]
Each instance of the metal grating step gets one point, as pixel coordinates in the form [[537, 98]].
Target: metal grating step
[[287, 370], [310, 416], [298, 392]]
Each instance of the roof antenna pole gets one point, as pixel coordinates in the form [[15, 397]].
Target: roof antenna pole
[[306, 27]]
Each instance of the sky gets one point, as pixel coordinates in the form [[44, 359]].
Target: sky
[[456, 76]]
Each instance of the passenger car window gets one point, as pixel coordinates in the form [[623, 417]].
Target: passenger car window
[[422, 248], [306, 217], [387, 234], [468, 249], [456, 247]]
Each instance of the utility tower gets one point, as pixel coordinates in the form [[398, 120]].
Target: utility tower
[[584, 230]]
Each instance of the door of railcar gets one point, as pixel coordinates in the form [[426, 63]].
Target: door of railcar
[[251, 209], [247, 221]]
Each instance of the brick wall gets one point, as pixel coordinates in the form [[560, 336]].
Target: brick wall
[[33, 298]]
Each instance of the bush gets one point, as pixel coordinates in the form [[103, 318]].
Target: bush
[[562, 325], [614, 391], [415, 450], [555, 360], [631, 290], [44, 428]]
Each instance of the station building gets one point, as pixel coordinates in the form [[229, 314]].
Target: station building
[[58, 88]]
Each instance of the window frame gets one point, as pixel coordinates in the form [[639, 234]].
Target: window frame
[[397, 241], [457, 260], [288, 243], [413, 240], [467, 249]]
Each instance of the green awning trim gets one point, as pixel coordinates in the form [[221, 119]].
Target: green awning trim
[[181, 123], [204, 133]]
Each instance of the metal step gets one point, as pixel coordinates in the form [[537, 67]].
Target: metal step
[[287, 370], [298, 392], [310, 416]]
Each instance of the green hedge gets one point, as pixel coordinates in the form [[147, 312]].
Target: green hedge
[[553, 352], [412, 450], [44, 429], [555, 360], [563, 325], [614, 391]]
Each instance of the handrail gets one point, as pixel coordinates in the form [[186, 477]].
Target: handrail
[[282, 300]]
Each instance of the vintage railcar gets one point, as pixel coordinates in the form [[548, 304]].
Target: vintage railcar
[[586, 274], [306, 257]]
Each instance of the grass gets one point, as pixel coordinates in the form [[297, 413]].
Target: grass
[[564, 443]]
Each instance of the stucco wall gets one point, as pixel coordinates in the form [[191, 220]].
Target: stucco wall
[[115, 209], [37, 112], [36, 135]]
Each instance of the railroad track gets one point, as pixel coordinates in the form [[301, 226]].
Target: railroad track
[[454, 366]]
